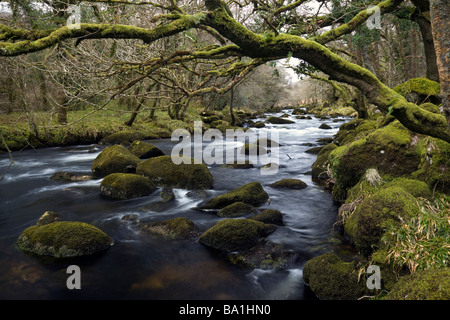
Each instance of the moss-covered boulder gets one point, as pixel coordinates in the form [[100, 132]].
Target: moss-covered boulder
[[259, 124], [270, 216], [235, 210], [253, 149], [163, 172], [331, 278], [124, 138], [235, 234], [289, 184], [63, 239], [430, 107], [278, 120], [144, 150], [167, 194], [320, 166], [391, 150], [177, 228], [432, 284], [415, 187], [48, 217], [353, 130], [251, 193], [374, 214], [419, 90], [325, 126], [114, 159], [126, 186]]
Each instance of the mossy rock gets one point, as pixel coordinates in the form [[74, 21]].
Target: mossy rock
[[64, 239], [48, 217], [278, 120], [177, 228], [251, 193], [314, 150], [430, 107], [289, 184], [325, 141], [253, 149], [331, 278], [416, 188], [167, 194], [68, 176], [246, 165], [432, 284], [125, 138], [264, 255], [235, 234], [114, 159], [354, 130], [144, 150], [126, 186], [374, 214], [389, 150], [235, 210], [267, 143], [259, 124], [163, 172], [269, 216], [325, 126], [419, 90], [319, 167]]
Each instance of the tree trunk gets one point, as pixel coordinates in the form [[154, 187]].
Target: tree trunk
[[440, 22]]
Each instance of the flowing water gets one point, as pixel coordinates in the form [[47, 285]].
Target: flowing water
[[138, 267]]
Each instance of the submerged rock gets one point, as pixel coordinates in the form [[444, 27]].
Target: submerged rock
[[114, 159], [144, 150], [163, 172], [68, 176], [63, 239], [178, 228], [167, 194], [126, 186], [289, 184], [251, 193], [48, 217], [235, 234]]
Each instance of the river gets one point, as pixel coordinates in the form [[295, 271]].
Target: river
[[138, 267]]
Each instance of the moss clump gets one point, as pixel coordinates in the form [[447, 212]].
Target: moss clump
[[235, 234], [389, 150], [430, 107], [417, 188], [48, 217], [126, 186], [235, 210], [367, 224], [178, 228], [419, 89], [251, 193], [320, 166], [278, 120], [63, 239], [114, 159], [433, 284], [270, 216], [289, 184], [354, 130], [144, 150], [330, 278], [163, 172], [125, 138]]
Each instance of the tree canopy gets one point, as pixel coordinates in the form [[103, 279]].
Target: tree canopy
[[234, 37]]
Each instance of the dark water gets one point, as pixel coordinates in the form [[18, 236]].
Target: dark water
[[138, 267]]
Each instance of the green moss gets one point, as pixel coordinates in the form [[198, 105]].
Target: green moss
[[144, 150], [126, 186], [270, 216], [64, 239], [251, 193], [430, 107], [125, 137], [330, 278], [367, 224], [114, 159], [417, 188], [163, 172], [235, 234], [236, 209], [177, 228], [421, 86], [289, 184], [319, 167], [47, 217], [433, 284]]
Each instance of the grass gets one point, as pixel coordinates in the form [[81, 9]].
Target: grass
[[424, 242], [20, 130]]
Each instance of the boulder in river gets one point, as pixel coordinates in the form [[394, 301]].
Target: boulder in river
[[236, 209], [63, 239], [124, 137], [162, 171], [270, 216], [289, 184], [278, 120], [114, 159], [144, 150], [68, 176], [235, 234], [251, 193], [126, 186], [179, 228], [324, 126]]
